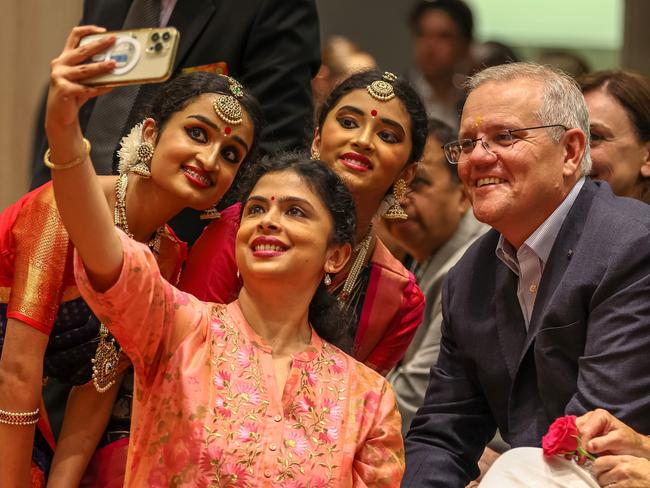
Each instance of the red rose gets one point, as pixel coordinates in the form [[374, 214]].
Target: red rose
[[562, 437]]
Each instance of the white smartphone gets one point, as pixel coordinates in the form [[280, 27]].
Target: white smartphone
[[142, 56]]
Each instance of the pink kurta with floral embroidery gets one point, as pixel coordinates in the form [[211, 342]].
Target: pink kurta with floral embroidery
[[207, 411]]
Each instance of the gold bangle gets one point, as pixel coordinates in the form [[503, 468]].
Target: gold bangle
[[19, 418], [68, 165]]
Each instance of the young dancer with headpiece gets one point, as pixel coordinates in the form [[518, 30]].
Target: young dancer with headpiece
[[371, 131], [199, 132]]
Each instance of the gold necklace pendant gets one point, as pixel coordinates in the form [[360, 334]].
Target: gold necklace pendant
[[107, 354], [357, 266], [105, 361]]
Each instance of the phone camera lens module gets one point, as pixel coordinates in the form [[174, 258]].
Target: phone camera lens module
[[155, 36], [158, 47], [166, 36]]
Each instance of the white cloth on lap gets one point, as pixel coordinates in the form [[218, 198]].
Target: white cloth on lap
[[526, 466]]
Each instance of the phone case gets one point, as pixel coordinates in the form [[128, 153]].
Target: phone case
[[142, 56]]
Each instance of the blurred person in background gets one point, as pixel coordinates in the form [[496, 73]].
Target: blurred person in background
[[571, 63], [490, 53], [340, 58], [619, 116], [442, 35]]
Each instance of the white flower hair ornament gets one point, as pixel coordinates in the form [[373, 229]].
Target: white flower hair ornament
[[128, 151], [135, 154]]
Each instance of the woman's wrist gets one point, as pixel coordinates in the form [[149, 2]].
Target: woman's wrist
[[66, 144], [60, 165]]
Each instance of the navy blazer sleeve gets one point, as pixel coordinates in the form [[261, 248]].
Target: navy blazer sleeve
[[613, 368], [451, 429]]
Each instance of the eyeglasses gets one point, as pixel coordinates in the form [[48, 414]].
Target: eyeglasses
[[501, 141]]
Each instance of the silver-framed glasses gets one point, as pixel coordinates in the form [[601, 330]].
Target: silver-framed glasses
[[458, 151]]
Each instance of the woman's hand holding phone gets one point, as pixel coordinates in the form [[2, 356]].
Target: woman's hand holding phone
[[67, 91]]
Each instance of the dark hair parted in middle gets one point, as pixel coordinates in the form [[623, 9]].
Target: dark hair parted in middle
[[176, 94], [403, 91], [325, 315]]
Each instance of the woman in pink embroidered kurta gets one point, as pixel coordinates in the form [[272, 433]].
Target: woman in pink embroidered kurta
[[207, 411], [246, 394]]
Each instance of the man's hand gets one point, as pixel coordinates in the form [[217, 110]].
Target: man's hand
[[622, 471], [602, 433], [487, 459]]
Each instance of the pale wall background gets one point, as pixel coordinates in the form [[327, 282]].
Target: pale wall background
[[32, 33]]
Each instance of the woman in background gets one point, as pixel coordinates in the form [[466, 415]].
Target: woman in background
[[619, 119]]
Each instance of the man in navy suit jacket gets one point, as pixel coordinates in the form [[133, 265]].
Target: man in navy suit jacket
[[549, 313]]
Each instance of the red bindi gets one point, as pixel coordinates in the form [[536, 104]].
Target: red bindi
[[373, 112], [272, 198], [227, 131]]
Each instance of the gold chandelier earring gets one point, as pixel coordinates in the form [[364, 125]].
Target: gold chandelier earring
[[395, 210], [142, 167]]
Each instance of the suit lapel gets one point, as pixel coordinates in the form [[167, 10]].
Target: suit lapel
[[509, 319], [190, 17], [559, 259]]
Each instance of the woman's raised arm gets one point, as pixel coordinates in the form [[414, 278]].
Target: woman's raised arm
[[81, 203]]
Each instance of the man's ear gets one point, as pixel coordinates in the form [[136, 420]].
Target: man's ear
[[149, 131], [574, 149], [337, 257]]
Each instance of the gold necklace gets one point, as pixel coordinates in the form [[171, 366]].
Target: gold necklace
[[107, 354], [119, 215], [357, 266]]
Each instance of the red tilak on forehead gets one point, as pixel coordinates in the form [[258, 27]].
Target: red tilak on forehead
[[373, 112], [227, 131], [272, 198]]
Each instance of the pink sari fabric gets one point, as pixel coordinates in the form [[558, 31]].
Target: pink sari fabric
[[391, 313], [106, 468], [207, 410]]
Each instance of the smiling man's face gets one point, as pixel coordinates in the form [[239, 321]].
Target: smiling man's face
[[512, 189]]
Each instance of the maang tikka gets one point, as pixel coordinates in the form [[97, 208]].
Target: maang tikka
[[227, 107], [382, 90]]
